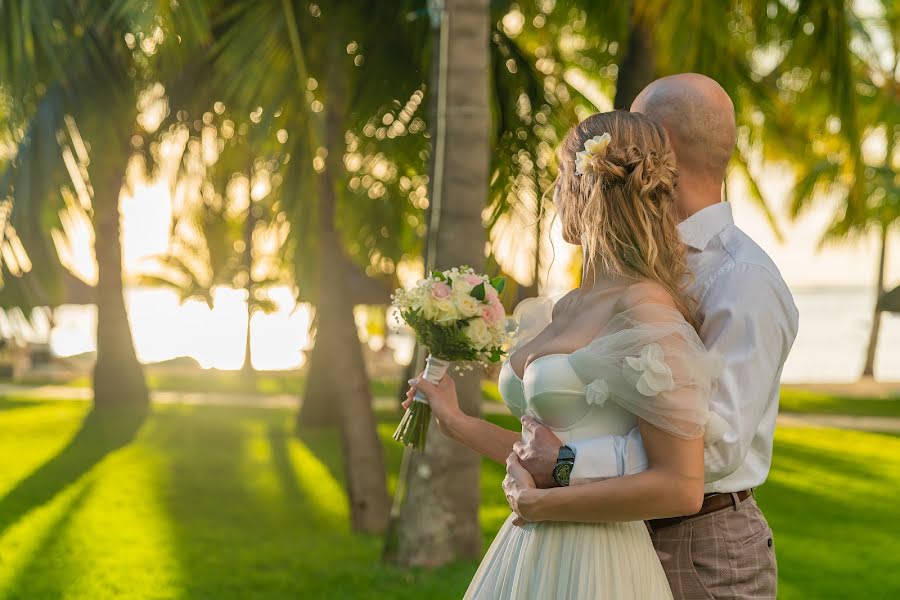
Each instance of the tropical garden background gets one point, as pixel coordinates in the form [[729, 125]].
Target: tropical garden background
[[206, 205]]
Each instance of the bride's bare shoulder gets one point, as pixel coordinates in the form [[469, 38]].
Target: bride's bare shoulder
[[645, 292], [559, 306]]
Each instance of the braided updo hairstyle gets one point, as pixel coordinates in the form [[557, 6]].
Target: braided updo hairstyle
[[622, 207]]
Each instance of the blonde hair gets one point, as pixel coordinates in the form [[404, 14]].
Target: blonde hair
[[623, 207]]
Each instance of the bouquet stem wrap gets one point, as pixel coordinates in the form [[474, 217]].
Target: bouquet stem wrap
[[413, 428]]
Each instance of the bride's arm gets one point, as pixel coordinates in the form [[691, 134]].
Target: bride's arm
[[671, 486], [482, 436]]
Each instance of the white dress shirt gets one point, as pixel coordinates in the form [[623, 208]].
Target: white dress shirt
[[750, 318]]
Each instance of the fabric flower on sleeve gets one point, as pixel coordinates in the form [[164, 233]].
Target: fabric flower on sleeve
[[596, 392], [656, 376], [715, 429]]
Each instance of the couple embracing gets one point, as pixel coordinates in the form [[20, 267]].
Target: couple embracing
[[648, 394]]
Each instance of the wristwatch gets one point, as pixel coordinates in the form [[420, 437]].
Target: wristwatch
[[564, 463]]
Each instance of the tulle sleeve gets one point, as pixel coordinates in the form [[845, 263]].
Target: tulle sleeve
[[650, 360], [531, 316]]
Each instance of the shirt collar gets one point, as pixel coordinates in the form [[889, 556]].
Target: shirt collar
[[703, 225]]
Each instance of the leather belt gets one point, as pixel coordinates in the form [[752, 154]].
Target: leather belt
[[711, 503]]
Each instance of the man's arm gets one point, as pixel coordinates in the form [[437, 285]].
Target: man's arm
[[751, 320], [671, 486], [595, 458]]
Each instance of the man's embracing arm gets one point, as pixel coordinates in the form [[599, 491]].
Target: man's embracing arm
[[751, 320], [595, 458]]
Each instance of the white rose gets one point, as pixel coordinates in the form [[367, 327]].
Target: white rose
[[477, 332], [428, 307], [445, 310], [467, 305], [460, 285]]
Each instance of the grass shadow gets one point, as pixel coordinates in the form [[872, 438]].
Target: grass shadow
[[214, 496], [283, 465], [16, 403], [101, 432], [34, 577]]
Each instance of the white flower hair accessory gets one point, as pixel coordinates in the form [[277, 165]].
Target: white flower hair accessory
[[596, 146]]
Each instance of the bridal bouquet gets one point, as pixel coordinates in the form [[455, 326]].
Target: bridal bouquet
[[457, 315]]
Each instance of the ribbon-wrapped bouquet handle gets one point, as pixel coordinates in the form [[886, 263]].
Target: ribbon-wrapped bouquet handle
[[457, 315]]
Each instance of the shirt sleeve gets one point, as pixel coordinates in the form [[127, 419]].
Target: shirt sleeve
[[608, 456], [751, 321]]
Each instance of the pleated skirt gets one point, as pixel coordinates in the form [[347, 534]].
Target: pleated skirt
[[570, 561]]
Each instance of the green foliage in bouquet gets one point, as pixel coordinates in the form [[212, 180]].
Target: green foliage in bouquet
[[446, 341]]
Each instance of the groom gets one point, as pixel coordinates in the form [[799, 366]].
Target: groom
[[726, 550]]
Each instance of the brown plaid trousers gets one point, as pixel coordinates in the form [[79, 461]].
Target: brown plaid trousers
[[726, 554]]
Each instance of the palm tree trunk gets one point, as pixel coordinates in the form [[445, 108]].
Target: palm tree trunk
[[318, 408], [249, 287], [339, 359], [437, 519], [869, 367], [638, 67], [118, 378], [337, 362]]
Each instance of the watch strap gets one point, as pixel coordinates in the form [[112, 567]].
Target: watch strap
[[565, 453]]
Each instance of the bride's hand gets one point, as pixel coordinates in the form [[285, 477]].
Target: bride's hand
[[441, 397], [521, 491]]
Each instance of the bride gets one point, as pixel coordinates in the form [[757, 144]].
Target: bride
[[618, 351]]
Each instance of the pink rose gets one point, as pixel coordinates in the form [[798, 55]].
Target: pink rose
[[472, 279], [490, 293], [440, 290], [493, 312]]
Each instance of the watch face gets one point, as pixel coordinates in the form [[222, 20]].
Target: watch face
[[561, 472]]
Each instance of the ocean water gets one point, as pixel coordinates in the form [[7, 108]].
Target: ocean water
[[833, 336], [830, 346]]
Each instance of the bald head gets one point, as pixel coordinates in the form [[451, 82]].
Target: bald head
[[698, 115]]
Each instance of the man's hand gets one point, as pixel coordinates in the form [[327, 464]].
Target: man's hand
[[538, 455]]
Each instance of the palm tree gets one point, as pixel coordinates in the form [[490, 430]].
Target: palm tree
[[228, 231], [854, 56], [62, 61], [349, 180], [439, 513]]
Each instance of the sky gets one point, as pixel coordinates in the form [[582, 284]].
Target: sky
[[802, 263], [146, 220]]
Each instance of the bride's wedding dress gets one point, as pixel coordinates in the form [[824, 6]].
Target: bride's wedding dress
[[648, 362]]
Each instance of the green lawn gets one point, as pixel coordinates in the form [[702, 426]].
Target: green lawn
[[801, 401], [261, 382], [794, 401], [221, 503], [288, 382]]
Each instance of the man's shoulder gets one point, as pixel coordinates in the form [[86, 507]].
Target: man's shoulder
[[752, 276], [748, 258]]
